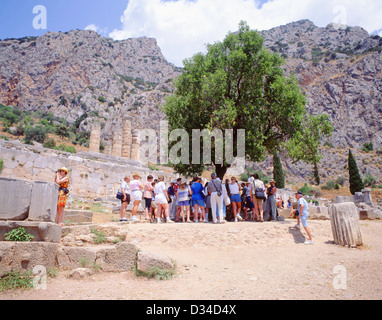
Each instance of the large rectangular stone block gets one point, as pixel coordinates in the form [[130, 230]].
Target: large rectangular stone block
[[43, 205], [41, 231], [15, 199], [78, 216], [26, 255]]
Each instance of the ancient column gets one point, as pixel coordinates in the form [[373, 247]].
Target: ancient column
[[108, 148], [126, 138], [95, 137], [135, 145], [345, 224], [117, 144]]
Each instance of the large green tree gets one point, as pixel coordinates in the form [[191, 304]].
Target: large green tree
[[239, 84]]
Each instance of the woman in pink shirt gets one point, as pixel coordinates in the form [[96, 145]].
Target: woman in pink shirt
[[148, 195]]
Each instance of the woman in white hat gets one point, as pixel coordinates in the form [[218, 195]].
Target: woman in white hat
[[136, 195], [62, 180]]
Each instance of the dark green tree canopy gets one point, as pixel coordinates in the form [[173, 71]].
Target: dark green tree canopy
[[355, 181], [278, 172], [239, 84]]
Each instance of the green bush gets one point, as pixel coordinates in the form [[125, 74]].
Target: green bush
[[16, 280], [330, 185], [368, 146], [19, 235], [100, 236], [50, 144], [306, 190], [1, 165], [65, 148], [156, 272], [369, 180], [101, 99], [245, 176], [36, 133], [341, 180]]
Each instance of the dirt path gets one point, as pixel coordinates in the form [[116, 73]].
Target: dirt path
[[251, 261]]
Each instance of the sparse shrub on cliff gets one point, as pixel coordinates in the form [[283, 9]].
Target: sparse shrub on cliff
[[65, 148], [36, 133], [49, 144], [368, 146], [369, 180], [1, 165], [330, 185], [306, 190]]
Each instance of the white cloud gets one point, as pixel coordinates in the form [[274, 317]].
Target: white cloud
[[101, 31], [183, 27], [92, 27]]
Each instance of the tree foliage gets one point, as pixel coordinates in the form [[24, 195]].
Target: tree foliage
[[239, 84]]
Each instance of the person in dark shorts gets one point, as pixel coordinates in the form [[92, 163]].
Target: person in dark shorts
[[125, 201], [148, 195]]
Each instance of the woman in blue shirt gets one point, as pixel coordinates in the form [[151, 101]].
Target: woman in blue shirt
[[197, 199]]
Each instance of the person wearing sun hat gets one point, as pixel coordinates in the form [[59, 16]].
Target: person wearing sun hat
[[62, 180], [302, 214]]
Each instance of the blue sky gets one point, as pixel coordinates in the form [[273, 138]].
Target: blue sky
[[16, 16], [182, 27]]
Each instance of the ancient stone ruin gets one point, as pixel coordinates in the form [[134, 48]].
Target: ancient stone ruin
[[125, 143], [33, 206]]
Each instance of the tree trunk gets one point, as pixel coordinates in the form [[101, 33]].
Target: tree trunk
[[345, 224], [220, 171]]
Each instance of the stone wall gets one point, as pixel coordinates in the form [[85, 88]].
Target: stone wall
[[92, 175]]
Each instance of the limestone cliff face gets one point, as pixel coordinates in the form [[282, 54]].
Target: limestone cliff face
[[339, 69], [80, 71]]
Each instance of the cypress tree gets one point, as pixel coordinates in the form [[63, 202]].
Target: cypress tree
[[278, 173], [356, 184], [316, 174]]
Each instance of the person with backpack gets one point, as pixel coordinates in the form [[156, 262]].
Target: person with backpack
[[258, 196], [215, 189]]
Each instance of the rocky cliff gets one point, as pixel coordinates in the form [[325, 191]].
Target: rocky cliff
[[339, 69], [79, 71]]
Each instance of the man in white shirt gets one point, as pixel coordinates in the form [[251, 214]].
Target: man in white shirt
[[214, 188]]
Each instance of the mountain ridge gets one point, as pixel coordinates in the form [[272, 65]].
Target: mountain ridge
[[339, 69]]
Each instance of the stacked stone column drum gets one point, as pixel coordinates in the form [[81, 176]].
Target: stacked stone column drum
[[95, 138], [126, 138], [125, 143]]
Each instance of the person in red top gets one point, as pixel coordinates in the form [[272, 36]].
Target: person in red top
[[62, 180], [148, 195]]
